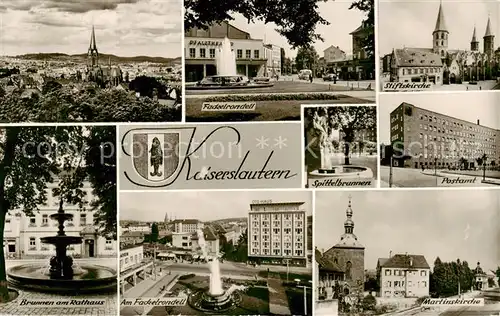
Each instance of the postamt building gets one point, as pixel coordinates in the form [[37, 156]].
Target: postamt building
[[22, 233], [428, 139], [277, 233], [201, 48]]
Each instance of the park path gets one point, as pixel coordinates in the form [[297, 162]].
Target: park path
[[278, 300]]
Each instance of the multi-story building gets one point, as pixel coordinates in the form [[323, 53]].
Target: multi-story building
[[131, 256], [23, 233], [131, 238], [403, 275], [139, 227], [333, 54], [211, 245], [273, 56], [183, 240], [186, 225], [202, 48], [277, 233], [423, 138]]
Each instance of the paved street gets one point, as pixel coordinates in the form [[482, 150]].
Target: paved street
[[486, 310], [409, 177]]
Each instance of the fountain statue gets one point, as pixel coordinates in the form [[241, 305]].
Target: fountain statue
[[62, 275], [323, 131]]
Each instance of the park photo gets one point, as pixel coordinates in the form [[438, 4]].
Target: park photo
[[58, 220], [98, 61], [217, 252], [260, 61], [439, 140], [378, 258], [438, 45], [340, 146]]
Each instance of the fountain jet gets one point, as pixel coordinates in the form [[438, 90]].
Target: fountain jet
[[226, 60]]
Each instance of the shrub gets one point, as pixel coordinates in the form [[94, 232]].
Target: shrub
[[420, 300], [369, 302]]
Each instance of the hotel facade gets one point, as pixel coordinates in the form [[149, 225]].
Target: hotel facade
[[201, 48], [423, 138], [22, 233], [277, 233]]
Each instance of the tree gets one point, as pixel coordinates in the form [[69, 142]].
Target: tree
[[296, 20], [307, 58], [51, 86], [287, 64], [31, 157], [497, 273], [154, 232], [346, 119], [368, 42]]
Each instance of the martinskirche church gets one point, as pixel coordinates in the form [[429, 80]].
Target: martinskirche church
[[441, 65], [107, 76]]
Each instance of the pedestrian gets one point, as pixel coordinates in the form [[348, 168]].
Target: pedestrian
[[480, 88], [311, 78], [423, 169]]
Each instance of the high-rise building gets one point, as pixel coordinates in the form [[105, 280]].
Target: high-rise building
[[423, 138], [277, 233]]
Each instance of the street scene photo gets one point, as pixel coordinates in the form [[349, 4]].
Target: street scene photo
[[340, 146], [438, 45], [375, 257], [433, 140], [261, 60], [224, 253], [58, 221], [97, 61]]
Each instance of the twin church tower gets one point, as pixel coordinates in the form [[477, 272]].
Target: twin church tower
[[440, 38]]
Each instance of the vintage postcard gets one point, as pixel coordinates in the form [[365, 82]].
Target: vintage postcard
[[208, 156], [251, 257], [438, 45], [433, 140], [238, 69], [340, 146], [377, 263]]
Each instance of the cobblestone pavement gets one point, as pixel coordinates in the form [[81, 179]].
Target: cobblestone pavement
[[14, 308]]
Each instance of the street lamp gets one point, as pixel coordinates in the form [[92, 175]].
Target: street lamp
[[435, 166], [484, 169]]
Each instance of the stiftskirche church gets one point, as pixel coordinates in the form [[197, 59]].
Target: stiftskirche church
[[109, 76], [441, 65]]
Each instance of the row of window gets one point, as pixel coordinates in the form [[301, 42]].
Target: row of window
[[33, 242], [277, 238], [455, 132], [419, 284], [131, 259], [397, 272], [277, 217], [440, 121], [286, 245], [211, 53], [277, 252], [45, 221], [454, 142], [414, 71]]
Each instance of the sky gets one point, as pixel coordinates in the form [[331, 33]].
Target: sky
[[123, 27], [468, 106], [204, 206], [342, 22], [410, 23], [451, 224]]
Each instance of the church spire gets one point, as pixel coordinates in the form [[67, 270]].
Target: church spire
[[488, 29], [474, 39], [349, 223], [440, 23], [93, 44]]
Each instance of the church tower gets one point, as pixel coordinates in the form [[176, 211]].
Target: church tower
[[489, 41], [93, 54], [440, 35], [349, 255], [474, 43]]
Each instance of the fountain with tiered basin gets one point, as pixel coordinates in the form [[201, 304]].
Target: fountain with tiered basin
[[62, 275], [227, 76]]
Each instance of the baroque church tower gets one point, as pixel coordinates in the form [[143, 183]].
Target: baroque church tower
[[489, 41], [474, 43], [440, 35], [349, 255], [93, 54]]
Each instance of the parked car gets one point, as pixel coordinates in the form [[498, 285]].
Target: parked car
[[224, 81], [330, 77], [305, 74]]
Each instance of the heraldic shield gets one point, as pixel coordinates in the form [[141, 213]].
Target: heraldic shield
[[156, 155]]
